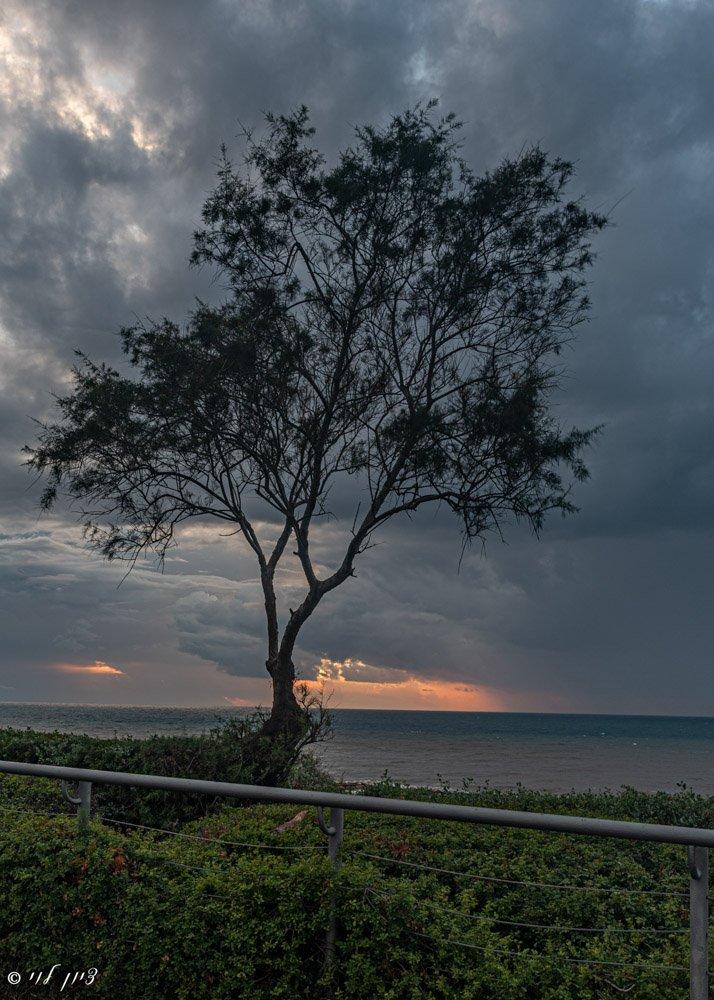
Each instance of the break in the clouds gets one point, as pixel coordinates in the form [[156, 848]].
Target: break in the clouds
[[112, 114]]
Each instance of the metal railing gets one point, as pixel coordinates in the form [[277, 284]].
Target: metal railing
[[696, 840]]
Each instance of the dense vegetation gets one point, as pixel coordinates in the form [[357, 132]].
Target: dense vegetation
[[235, 750], [165, 916]]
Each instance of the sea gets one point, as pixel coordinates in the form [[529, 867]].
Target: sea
[[553, 752]]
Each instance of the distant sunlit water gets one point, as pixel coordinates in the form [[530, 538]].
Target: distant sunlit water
[[549, 751]]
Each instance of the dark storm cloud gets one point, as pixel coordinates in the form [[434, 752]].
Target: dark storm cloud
[[113, 113]]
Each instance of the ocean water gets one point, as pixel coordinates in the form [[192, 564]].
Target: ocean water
[[545, 751]]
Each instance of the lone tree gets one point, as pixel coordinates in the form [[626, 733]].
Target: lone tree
[[393, 317]]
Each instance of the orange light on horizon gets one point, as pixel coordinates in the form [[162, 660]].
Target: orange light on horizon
[[96, 669], [377, 687], [413, 694]]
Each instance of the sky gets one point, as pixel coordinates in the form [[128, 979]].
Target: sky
[[112, 116]]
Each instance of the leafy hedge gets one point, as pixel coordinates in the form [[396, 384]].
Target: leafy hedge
[[233, 751], [176, 917]]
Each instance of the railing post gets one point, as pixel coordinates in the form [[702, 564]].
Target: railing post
[[698, 858], [334, 832], [84, 806], [82, 800]]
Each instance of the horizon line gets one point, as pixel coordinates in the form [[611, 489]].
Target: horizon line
[[419, 711]]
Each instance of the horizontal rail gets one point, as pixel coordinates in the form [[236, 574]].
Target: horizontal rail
[[582, 825]]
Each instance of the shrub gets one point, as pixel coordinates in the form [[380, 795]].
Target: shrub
[[154, 929], [186, 916], [234, 751]]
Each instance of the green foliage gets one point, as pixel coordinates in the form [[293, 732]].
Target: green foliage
[[177, 917], [153, 929], [233, 751], [683, 808]]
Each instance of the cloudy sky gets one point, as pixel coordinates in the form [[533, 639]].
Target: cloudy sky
[[112, 115]]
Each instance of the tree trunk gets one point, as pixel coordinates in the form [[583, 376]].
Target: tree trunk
[[285, 719]]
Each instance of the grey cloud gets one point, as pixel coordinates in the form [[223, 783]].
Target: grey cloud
[[228, 631]]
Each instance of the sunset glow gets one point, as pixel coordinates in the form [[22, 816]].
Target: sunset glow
[[96, 669], [355, 684]]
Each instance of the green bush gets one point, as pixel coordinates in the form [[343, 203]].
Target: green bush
[[234, 751], [121, 904], [682, 808], [178, 917]]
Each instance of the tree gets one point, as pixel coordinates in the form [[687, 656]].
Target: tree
[[393, 317]]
